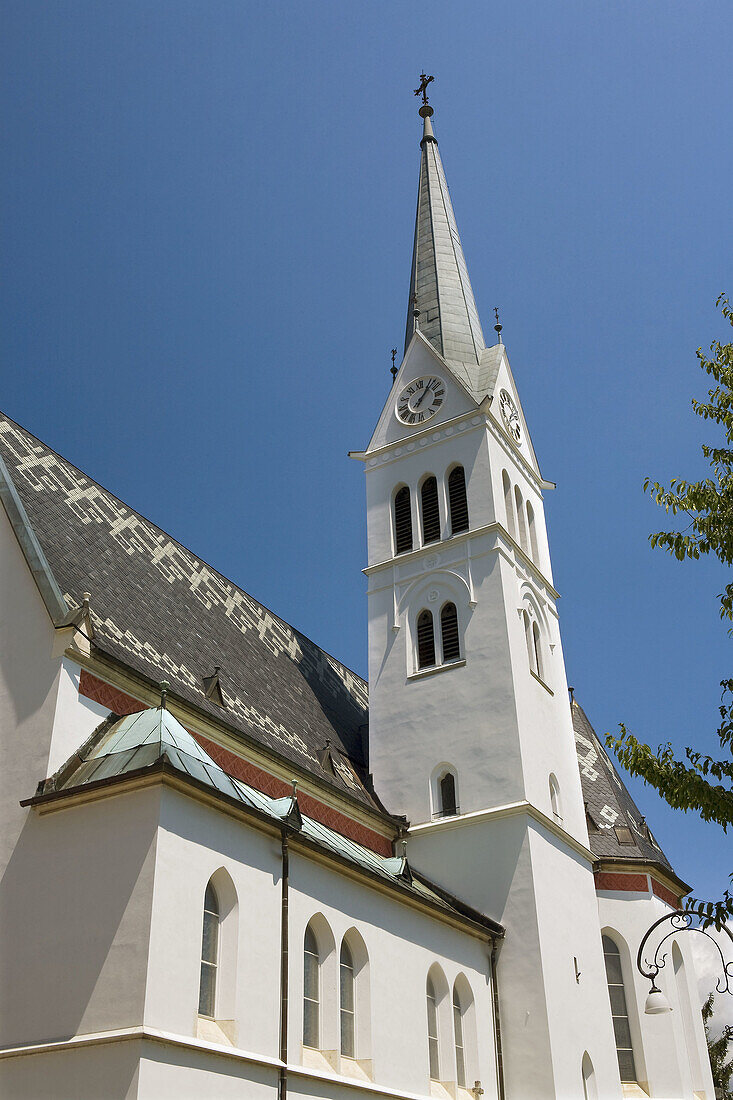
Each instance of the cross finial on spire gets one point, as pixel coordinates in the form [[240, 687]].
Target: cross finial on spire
[[393, 368], [423, 89], [498, 327]]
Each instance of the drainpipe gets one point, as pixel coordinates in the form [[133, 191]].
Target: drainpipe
[[497, 1023], [282, 1084]]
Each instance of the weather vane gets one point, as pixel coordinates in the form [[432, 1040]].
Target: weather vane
[[393, 368], [423, 89]]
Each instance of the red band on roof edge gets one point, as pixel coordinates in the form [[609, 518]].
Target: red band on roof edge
[[626, 882], [121, 703]]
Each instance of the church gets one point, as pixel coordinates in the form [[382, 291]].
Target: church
[[233, 869]]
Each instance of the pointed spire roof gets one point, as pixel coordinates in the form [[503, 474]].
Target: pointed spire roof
[[440, 288]]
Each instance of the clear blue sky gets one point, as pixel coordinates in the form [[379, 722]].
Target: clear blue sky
[[208, 214]]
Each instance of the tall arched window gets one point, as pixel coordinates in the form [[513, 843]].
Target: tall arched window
[[311, 990], [532, 534], [458, 1038], [347, 1002], [433, 1035], [555, 802], [457, 500], [529, 640], [430, 510], [209, 954], [448, 802], [402, 521], [508, 504], [425, 640], [619, 1012], [449, 632], [520, 519], [537, 649], [590, 1089]]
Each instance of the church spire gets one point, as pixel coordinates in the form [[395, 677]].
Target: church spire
[[441, 302]]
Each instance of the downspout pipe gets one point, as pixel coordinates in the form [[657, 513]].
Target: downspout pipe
[[497, 1023], [282, 1084]]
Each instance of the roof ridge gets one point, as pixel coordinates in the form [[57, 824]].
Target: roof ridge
[[172, 538]]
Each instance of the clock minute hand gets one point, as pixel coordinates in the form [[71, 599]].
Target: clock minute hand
[[422, 397]]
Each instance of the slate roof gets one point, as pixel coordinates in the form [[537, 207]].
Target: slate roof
[[122, 746], [166, 614], [609, 804]]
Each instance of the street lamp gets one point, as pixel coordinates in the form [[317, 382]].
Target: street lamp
[[681, 921]]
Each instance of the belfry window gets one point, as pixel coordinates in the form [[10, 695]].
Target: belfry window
[[532, 534], [425, 640], [209, 953], [448, 803], [311, 990], [457, 500], [520, 519], [402, 521], [619, 1012], [433, 1040], [347, 1002], [430, 510], [449, 632], [508, 504]]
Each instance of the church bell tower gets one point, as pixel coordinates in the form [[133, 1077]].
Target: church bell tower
[[470, 726]]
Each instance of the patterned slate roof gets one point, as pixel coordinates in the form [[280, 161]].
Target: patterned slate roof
[[166, 614], [609, 804]]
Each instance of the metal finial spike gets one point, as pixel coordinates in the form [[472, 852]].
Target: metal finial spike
[[572, 694], [295, 789], [497, 327], [85, 598], [404, 849], [164, 685], [423, 89], [393, 368]]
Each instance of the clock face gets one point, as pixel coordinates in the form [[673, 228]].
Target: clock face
[[420, 400], [511, 416]]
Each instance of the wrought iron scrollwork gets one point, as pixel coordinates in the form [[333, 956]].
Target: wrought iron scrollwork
[[682, 921]]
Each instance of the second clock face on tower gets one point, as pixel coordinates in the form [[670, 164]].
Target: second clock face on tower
[[511, 416], [420, 400]]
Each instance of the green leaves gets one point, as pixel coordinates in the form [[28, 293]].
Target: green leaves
[[708, 505]]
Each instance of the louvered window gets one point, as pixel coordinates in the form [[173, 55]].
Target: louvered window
[[457, 500], [448, 805], [425, 640], [449, 632], [402, 521], [430, 512]]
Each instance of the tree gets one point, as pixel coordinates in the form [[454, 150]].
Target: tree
[[718, 1051], [688, 784]]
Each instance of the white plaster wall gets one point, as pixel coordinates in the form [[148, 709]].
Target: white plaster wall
[[75, 914], [106, 1072], [661, 1043], [175, 1073]]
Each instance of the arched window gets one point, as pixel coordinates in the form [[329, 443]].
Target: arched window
[[449, 632], [311, 990], [520, 519], [617, 993], [555, 799], [457, 501], [209, 954], [688, 1027], [529, 640], [425, 640], [402, 521], [590, 1090], [433, 1035], [430, 510], [458, 1038], [537, 649], [448, 803], [532, 534], [347, 1002], [508, 504]]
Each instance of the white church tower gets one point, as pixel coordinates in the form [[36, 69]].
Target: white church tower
[[471, 735]]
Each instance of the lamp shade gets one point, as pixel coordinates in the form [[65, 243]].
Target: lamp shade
[[656, 1002]]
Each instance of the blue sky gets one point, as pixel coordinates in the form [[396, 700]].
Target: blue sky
[[208, 217]]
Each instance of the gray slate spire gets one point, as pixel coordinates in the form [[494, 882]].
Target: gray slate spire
[[448, 316]]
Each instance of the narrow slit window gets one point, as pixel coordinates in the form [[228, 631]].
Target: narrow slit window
[[619, 1012], [430, 510], [508, 504], [520, 519], [347, 1003], [536, 645], [433, 1041], [532, 534], [458, 1035], [457, 500], [311, 990], [449, 632], [425, 640], [402, 521], [529, 640], [448, 804], [209, 954]]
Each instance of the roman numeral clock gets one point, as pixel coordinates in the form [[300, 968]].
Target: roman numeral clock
[[420, 400]]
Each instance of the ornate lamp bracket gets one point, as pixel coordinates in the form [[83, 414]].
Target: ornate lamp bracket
[[681, 921]]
